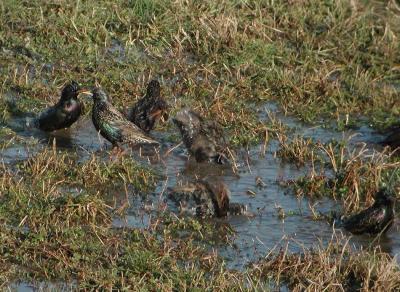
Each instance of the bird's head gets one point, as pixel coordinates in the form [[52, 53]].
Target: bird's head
[[72, 90], [99, 95]]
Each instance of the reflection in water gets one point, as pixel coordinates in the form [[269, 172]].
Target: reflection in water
[[253, 237], [42, 286], [81, 137]]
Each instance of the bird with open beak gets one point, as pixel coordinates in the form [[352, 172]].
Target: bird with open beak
[[65, 112]]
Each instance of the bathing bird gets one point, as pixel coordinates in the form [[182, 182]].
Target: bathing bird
[[112, 124], [208, 199], [376, 219], [393, 138], [65, 112], [204, 139], [150, 109]]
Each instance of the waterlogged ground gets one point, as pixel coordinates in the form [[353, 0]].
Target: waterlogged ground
[[250, 238], [305, 91], [253, 236]]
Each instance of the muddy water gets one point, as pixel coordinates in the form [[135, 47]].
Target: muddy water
[[253, 237]]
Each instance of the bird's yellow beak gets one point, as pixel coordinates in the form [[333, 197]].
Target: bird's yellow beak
[[85, 91]]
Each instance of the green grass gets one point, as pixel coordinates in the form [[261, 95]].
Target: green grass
[[320, 61], [50, 234]]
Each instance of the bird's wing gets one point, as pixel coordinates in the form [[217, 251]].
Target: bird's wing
[[132, 133], [114, 114], [48, 119], [48, 113], [148, 107], [362, 221]]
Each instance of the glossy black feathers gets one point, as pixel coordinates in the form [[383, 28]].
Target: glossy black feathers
[[63, 114]]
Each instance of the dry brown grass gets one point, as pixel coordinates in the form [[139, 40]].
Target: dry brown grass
[[336, 266]]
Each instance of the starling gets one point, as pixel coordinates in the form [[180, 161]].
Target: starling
[[208, 199], [393, 138], [375, 219], [65, 112], [113, 126], [204, 139], [148, 110]]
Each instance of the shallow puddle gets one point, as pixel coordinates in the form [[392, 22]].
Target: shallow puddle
[[253, 237], [41, 286]]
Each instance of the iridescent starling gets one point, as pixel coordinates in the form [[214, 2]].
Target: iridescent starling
[[65, 112], [148, 110], [204, 139], [113, 126], [375, 219]]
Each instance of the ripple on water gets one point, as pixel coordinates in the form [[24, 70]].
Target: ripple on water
[[254, 237]]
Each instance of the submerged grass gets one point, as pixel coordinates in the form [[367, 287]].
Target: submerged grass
[[353, 177], [51, 234], [319, 60], [336, 266]]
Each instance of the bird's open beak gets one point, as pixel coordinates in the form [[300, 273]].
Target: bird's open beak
[[86, 92]]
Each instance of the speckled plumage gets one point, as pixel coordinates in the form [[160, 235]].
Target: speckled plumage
[[375, 219], [64, 113], [208, 198], [148, 110], [113, 126], [204, 139]]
